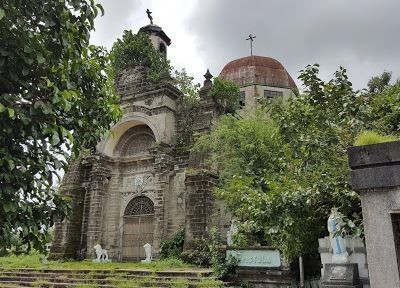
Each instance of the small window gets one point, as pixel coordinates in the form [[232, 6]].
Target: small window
[[269, 94], [163, 49], [242, 98]]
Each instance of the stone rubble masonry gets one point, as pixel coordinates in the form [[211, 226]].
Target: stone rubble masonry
[[375, 175]]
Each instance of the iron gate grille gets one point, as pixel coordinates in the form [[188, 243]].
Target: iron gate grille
[[138, 228]]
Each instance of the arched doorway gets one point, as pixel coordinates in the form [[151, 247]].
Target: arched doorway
[[138, 228]]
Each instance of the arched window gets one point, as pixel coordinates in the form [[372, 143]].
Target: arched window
[[140, 205], [136, 140]]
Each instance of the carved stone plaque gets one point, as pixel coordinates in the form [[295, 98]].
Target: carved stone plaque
[[338, 273]]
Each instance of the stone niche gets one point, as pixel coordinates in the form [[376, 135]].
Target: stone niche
[[376, 176]]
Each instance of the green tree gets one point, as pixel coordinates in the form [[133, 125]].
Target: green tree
[[226, 94], [378, 83], [384, 104], [55, 92], [284, 167]]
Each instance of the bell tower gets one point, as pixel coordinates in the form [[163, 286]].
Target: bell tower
[[157, 36]]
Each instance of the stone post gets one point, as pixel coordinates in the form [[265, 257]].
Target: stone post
[[376, 176]]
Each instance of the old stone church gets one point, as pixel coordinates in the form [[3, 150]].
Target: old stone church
[[137, 188]]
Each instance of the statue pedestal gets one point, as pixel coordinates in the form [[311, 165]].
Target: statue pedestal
[[341, 275]]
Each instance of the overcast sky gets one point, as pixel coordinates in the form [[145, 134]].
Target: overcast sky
[[361, 35]]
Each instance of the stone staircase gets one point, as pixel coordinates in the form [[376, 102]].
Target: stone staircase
[[105, 278]]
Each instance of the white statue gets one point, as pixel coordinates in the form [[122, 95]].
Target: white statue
[[233, 230], [147, 251], [338, 245], [229, 240], [102, 255]]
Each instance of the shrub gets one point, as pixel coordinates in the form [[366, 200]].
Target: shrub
[[200, 255], [173, 247]]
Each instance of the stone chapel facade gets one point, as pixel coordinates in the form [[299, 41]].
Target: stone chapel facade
[[137, 188]]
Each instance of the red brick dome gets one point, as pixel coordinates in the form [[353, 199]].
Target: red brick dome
[[257, 70]]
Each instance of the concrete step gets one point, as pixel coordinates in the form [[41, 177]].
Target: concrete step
[[111, 278], [164, 273]]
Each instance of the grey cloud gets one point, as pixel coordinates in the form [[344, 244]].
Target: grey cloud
[[361, 35], [116, 19]]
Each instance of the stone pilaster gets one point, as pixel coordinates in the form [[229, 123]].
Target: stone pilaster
[[163, 165], [199, 205], [98, 181], [67, 233]]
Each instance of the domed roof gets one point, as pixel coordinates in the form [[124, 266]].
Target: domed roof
[[257, 70]]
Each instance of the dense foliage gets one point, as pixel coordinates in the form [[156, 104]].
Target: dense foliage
[[288, 163], [384, 108], [226, 94], [173, 247], [136, 49], [54, 92], [189, 107]]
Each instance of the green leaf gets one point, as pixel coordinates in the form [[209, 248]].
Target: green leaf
[[55, 139], [3, 108], [38, 104], [27, 49], [11, 164], [7, 207], [101, 9], [2, 13], [40, 59], [11, 112]]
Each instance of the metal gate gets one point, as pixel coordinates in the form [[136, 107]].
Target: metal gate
[[138, 228]]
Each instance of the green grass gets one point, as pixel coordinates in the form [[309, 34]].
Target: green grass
[[179, 283], [33, 261], [206, 283], [372, 137]]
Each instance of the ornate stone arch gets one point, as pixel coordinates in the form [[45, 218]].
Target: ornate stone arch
[[136, 139], [140, 205], [107, 146]]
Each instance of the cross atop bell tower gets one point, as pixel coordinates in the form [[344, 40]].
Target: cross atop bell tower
[[157, 36]]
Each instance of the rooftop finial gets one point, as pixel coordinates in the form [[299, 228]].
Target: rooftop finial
[[149, 15], [208, 77], [251, 38]]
